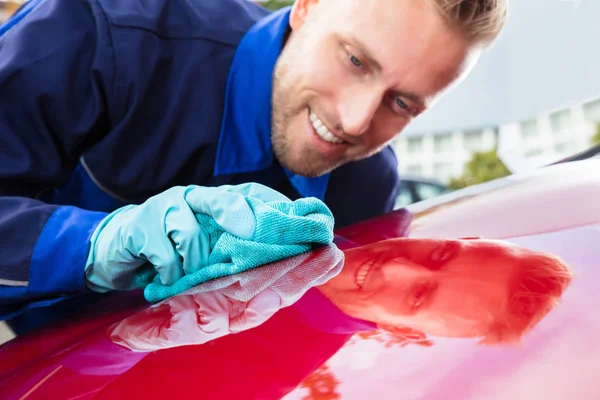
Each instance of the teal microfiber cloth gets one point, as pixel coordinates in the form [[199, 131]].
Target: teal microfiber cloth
[[283, 229]]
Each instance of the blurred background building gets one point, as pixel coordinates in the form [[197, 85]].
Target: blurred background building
[[522, 145]]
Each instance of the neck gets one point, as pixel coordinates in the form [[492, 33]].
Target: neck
[[338, 299]]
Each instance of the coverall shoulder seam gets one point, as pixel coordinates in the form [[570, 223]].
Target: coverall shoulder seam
[[113, 95], [174, 37]]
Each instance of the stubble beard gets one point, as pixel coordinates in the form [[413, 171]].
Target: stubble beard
[[302, 161]]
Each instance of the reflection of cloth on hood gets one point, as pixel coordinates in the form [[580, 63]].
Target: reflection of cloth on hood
[[227, 305]]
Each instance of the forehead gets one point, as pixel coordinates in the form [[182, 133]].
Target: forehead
[[412, 42]]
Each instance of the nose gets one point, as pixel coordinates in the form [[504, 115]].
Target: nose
[[357, 110]]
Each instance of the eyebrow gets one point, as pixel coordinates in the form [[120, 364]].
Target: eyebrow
[[413, 97]]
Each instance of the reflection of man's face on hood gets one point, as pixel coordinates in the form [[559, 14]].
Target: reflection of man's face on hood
[[453, 288]]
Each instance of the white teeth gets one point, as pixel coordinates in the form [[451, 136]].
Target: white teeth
[[361, 274], [364, 271], [322, 130]]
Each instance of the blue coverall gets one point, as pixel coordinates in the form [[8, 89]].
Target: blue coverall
[[108, 102]]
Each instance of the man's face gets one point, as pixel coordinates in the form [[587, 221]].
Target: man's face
[[354, 73], [451, 288]]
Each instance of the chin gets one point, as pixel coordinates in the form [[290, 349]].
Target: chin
[[304, 167], [307, 173]]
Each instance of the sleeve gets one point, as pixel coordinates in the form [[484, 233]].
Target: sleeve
[[56, 80]]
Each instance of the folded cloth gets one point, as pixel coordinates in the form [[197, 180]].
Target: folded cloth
[[283, 229], [231, 304]]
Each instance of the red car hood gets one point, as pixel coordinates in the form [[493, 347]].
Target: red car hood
[[555, 209]]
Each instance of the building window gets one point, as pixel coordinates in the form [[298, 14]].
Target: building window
[[533, 153], [473, 141], [561, 122], [529, 129], [565, 148], [591, 111], [414, 145], [442, 143]]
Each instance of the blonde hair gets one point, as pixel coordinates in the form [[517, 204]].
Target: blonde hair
[[536, 290], [480, 20]]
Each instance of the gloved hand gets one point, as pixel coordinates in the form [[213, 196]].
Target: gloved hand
[[165, 232]]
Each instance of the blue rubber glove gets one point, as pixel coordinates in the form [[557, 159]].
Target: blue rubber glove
[[165, 232]]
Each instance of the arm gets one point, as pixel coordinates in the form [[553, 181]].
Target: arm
[[56, 78]]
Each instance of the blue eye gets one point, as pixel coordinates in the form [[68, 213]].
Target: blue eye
[[402, 104], [444, 252], [355, 61]]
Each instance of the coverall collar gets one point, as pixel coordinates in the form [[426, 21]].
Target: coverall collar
[[245, 139]]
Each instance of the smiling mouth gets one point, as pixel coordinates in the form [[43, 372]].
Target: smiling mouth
[[363, 272], [321, 130]]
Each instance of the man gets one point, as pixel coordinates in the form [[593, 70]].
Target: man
[[113, 107]]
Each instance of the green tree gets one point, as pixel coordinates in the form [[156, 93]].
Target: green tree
[[275, 4], [483, 167], [596, 137]]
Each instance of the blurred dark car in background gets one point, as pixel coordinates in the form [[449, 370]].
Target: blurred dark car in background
[[415, 188]]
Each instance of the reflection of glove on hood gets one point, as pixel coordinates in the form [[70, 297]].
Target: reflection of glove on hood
[[227, 305], [282, 229]]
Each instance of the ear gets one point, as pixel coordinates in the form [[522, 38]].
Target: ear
[[500, 335], [492, 340], [407, 335], [299, 12]]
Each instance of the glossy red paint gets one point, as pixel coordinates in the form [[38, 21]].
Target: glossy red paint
[[554, 209]]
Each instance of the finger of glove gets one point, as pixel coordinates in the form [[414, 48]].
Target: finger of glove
[[213, 310], [212, 303], [262, 307], [257, 190], [165, 258], [183, 312], [228, 209], [191, 241]]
